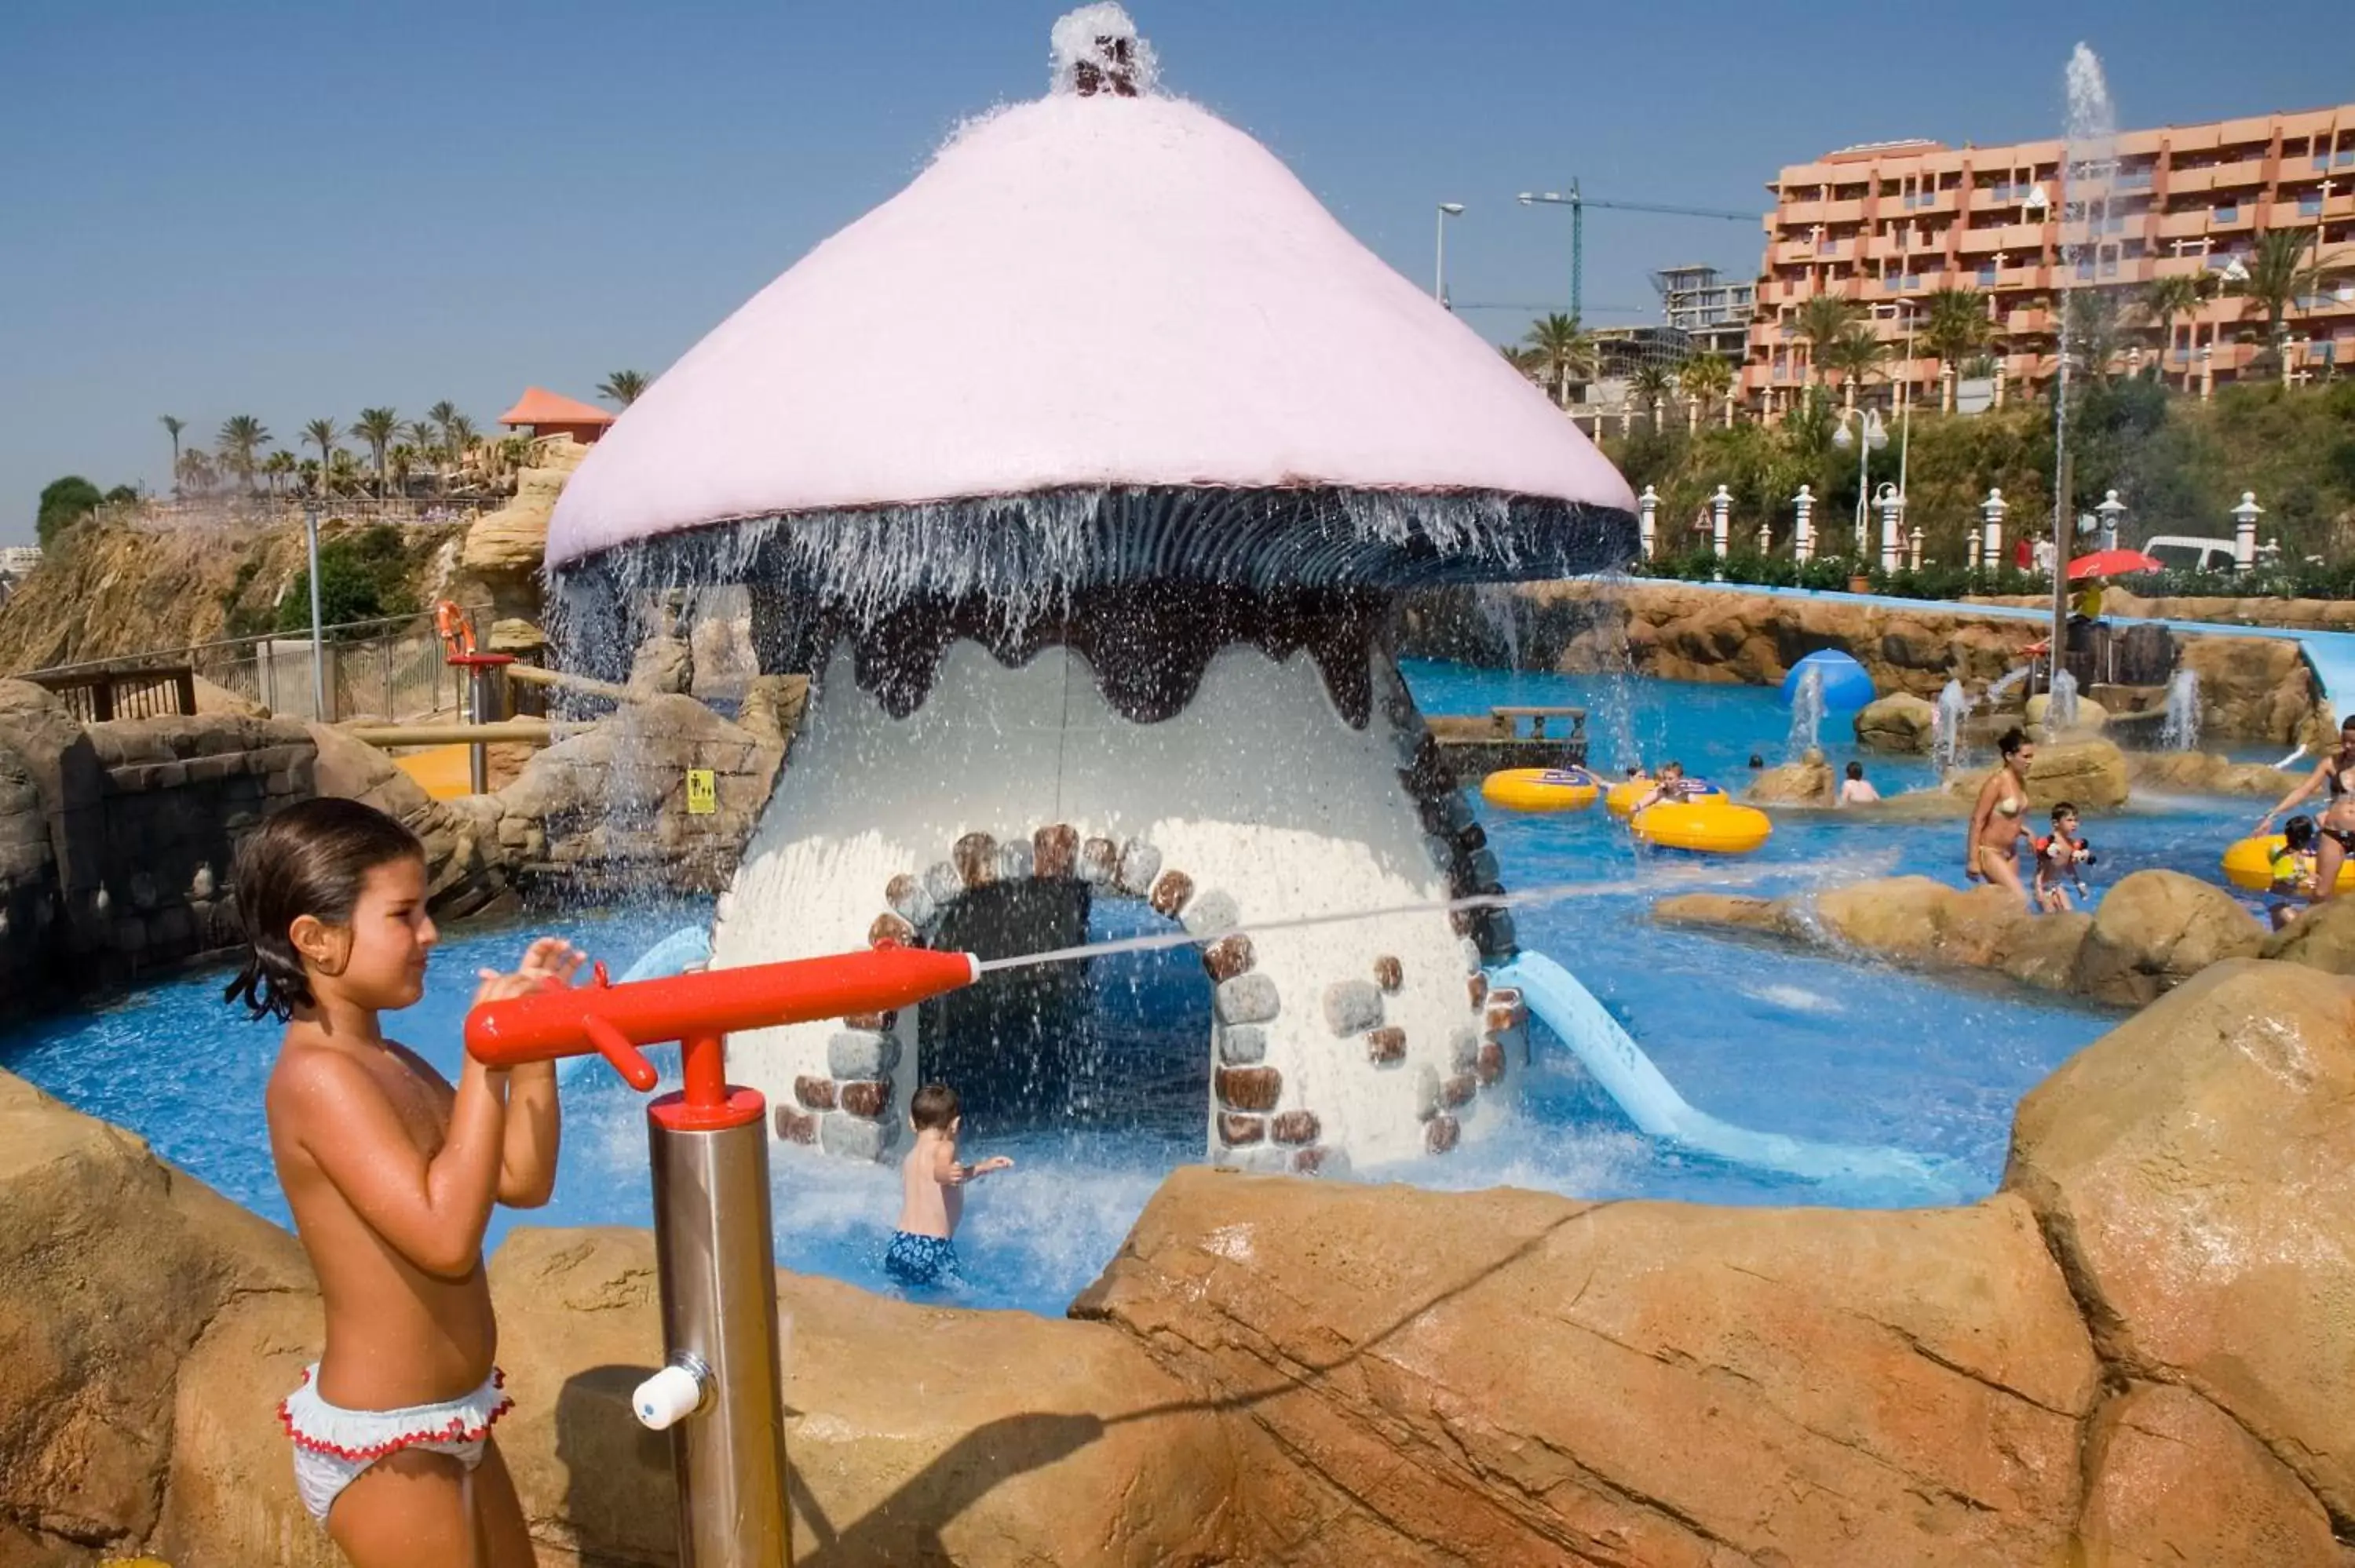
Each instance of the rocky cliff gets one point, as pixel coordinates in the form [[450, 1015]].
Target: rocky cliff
[[110, 588]]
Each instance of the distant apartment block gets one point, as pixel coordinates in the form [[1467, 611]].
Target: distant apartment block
[[18, 560], [1890, 223], [1711, 311]]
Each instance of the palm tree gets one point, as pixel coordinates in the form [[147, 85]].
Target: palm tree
[[1704, 378], [1565, 351], [2097, 320], [445, 414], [377, 428], [623, 386], [1650, 386], [173, 427], [323, 434], [462, 437], [344, 473], [196, 470], [1955, 327], [1855, 353], [1527, 361], [425, 438], [2164, 298], [240, 435], [2278, 272], [278, 465], [1823, 321]]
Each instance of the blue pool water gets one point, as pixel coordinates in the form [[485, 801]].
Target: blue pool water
[[1778, 1040]]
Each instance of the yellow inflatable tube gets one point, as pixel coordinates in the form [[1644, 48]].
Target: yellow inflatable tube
[[2249, 865], [1621, 797], [1713, 824], [1540, 788]]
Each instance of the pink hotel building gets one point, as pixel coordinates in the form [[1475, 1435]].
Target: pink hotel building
[[1890, 223]]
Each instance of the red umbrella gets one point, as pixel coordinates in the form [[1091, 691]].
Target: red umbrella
[[2113, 563]]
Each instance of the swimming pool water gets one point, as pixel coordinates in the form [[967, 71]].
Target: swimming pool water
[[1781, 1041]]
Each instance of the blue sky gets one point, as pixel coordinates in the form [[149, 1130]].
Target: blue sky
[[300, 209]]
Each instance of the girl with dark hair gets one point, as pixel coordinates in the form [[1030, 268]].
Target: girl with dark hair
[[1999, 819], [2335, 776], [390, 1173]]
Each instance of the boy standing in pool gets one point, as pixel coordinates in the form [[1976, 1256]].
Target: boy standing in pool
[[391, 1174], [923, 1249]]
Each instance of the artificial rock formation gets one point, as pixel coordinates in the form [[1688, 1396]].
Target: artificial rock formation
[[2152, 931], [2252, 688], [1806, 782], [2135, 1353], [1899, 722], [2207, 773], [504, 549], [2089, 774]]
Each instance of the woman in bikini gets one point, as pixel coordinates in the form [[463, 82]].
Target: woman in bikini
[[2335, 776], [1998, 821]]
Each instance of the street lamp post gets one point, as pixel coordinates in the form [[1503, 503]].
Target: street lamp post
[[1873, 439], [1447, 209], [318, 656]]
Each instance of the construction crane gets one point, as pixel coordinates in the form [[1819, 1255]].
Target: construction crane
[[1578, 205]]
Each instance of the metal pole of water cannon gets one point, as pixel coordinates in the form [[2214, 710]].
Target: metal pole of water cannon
[[318, 638], [721, 1390], [486, 703]]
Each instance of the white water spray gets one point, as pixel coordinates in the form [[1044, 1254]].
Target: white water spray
[[1947, 729], [1806, 714], [2180, 731], [2089, 168], [2061, 711]]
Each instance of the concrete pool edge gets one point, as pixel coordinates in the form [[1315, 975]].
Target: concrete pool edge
[[2076, 1359]]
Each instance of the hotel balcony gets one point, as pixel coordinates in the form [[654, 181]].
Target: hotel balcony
[[2184, 225]]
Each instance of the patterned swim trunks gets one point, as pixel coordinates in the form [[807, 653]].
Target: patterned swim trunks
[[912, 1259]]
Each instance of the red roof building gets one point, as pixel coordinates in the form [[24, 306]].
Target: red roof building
[[544, 413]]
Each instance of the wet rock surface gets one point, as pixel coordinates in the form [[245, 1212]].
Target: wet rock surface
[[2152, 931], [1899, 722], [2134, 1353]]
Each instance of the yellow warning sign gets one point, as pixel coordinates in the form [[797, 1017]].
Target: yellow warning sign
[[702, 792]]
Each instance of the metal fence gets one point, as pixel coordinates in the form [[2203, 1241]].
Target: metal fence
[[394, 669]]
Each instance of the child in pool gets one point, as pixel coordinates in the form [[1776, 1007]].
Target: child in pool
[[924, 1250], [2293, 872], [2058, 855], [391, 1174]]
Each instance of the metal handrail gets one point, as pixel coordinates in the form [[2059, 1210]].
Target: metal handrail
[[184, 650]]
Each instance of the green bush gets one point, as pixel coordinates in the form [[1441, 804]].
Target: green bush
[[64, 503], [362, 577]]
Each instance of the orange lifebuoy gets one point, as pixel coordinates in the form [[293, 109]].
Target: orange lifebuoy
[[456, 626]]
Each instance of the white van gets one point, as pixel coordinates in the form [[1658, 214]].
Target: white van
[[2191, 553]]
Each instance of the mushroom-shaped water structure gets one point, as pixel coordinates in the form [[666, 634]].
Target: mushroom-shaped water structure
[[1081, 477]]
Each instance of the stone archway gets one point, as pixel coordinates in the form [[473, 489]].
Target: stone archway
[[1254, 1123]]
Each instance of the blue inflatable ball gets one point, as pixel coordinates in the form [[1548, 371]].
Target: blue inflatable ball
[[1846, 686]]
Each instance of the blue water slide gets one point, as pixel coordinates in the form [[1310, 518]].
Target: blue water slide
[[1619, 1066], [2331, 656]]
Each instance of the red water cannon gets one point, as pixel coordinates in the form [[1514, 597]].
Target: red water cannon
[[700, 1010]]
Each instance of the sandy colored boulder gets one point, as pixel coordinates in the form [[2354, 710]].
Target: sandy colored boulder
[[2190, 1169], [2157, 929], [2176, 1482], [2092, 716], [1807, 782], [1899, 722], [1725, 912], [914, 1433], [2091, 775], [2207, 773], [115, 1268], [2321, 938], [2254, 688], [1677, 1385]]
